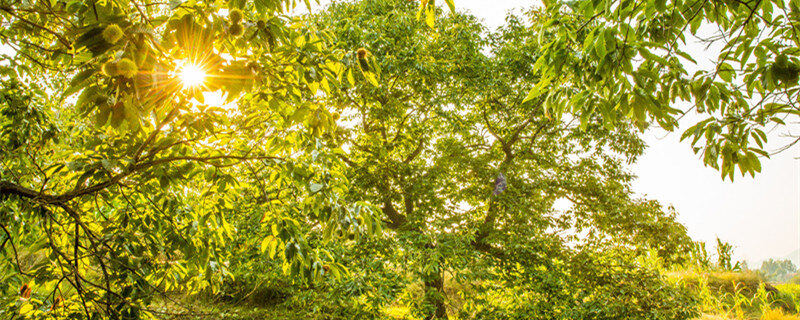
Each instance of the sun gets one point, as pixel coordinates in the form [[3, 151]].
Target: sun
[[191, 75]]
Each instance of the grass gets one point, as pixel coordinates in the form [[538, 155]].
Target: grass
[[768, 314], [791, 289], [723, 282], [729, 295], [723, 296], [213, 310], [707, 316]]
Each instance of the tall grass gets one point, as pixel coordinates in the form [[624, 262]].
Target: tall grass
[[729, 295]]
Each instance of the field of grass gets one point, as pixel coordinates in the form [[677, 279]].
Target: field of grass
[[723, 296], [729, 295]]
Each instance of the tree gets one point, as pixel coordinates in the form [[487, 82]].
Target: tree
[[117, 177], [627, 61], [121, 180], [778, 270], [433, 128]]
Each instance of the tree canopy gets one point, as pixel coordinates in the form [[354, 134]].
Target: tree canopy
[[445, 120], [118, 179], [152, 148], [628, 61]]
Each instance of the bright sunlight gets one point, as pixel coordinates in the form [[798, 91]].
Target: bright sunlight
[[191, 75]]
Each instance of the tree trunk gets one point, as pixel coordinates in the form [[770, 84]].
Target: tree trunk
[[434, 296]]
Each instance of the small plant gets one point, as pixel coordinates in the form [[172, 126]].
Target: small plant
[[700, 255], [724, 256]]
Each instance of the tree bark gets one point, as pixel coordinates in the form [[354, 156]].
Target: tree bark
[[435, 296], [434, 282]]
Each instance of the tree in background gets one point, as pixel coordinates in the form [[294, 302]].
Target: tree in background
[[778, 270], [469, 175]]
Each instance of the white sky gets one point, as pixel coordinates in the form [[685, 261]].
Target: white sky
[[760, 217]]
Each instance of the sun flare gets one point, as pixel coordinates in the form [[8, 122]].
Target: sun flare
[[191, 75]]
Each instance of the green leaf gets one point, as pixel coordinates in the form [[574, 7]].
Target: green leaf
[[539, 88], [423, 5], [78, 82], [430, 17], [726, 71], [600, 45], [371, 78], [26, 309], [350, 79], [451, 4], [266, 242]]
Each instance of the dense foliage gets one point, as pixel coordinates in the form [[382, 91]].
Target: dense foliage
[[491, 209], [118, 182], [630, 61], [468, 178], [376, 155]]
